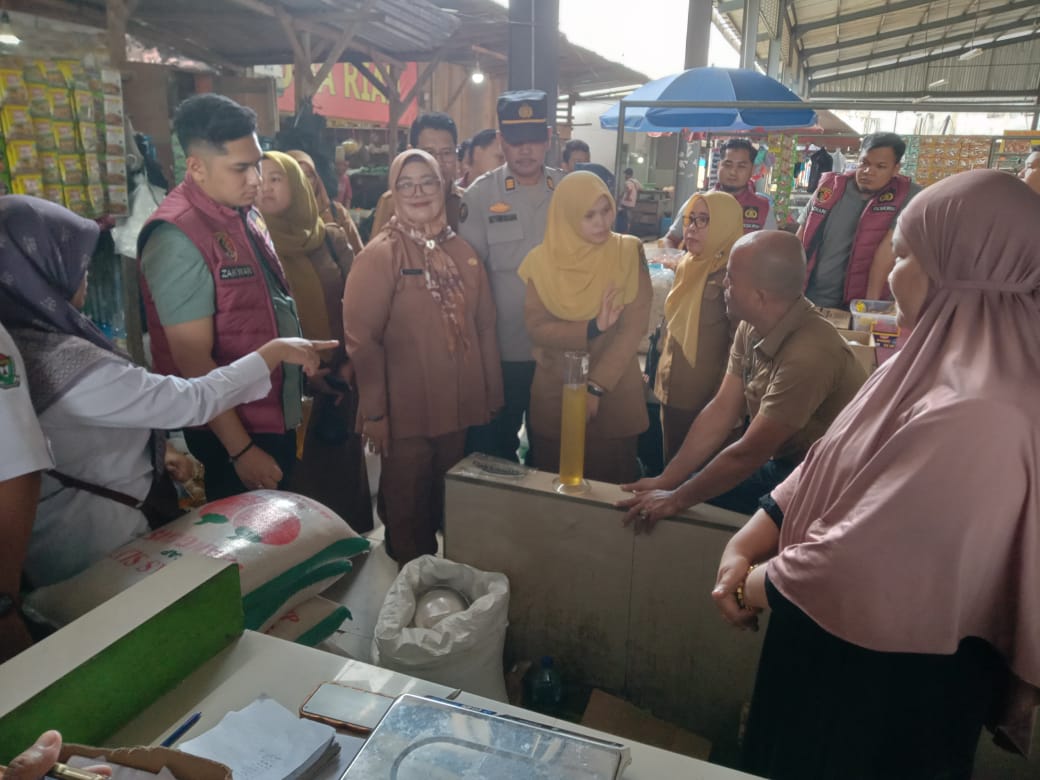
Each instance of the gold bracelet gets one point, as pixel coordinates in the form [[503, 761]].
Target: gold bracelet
[[739, 594]]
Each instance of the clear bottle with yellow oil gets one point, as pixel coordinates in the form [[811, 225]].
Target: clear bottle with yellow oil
[[572, 424]]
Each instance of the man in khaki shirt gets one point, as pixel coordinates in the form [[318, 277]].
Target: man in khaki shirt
[[790, 373]]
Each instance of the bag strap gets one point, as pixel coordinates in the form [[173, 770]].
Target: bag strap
[[97, 490]]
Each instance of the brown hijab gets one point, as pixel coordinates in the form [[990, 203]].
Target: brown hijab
[[298, 233], [915, 521], [442, 275]]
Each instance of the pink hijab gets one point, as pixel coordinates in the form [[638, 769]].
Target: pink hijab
[[915, 521]]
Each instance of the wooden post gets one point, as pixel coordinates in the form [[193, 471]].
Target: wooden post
[[116, 14]]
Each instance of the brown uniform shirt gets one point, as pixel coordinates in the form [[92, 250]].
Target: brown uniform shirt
[[802, 374], [385, 210], [613, 365], [687, 387], [396, 337]]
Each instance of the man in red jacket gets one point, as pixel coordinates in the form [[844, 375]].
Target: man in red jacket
[[214, 291], [848, 224]]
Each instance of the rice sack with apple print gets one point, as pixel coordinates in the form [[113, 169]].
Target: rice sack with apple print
[[288, 548]]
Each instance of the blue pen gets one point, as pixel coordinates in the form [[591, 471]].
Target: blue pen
[[181, 730]]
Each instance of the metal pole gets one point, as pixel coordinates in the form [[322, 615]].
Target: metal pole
[[619, 148], [842, 105], [749, 35]]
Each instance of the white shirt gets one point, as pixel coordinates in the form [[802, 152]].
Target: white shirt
[[23, 449], [100, 432]]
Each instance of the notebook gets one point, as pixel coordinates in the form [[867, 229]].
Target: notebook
[[265, 741]]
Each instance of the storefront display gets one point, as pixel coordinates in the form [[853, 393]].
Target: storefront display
[[62, 135], [929, 158]]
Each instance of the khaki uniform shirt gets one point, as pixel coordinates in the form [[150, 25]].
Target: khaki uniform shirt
[[395, 335], [613, 365], [687, 387], [801, 373], [503, 221]]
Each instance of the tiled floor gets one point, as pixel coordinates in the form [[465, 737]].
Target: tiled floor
[[363, 590]]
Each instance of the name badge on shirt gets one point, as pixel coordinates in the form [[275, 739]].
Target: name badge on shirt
[[231, 272], [494, 218], [411, 272]]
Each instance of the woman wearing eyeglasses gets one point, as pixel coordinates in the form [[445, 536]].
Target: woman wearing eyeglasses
[[420, 329], [697, 333]]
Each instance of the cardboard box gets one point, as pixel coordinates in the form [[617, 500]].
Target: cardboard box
[[184, 766], [618, 717], [839, 318], [862, 346]]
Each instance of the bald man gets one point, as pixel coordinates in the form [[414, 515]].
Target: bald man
[[790, 373]]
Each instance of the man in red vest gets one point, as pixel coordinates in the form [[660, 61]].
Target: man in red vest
[[214, 291], [738, 161], [848, 224]]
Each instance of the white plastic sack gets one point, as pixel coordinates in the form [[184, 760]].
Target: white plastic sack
[[464, 650], [288, 548]]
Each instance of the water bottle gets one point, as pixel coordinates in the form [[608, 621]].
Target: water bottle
[[543, 688]]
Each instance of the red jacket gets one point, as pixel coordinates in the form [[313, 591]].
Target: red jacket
[[755, 206], [876, 220], [244, 319]]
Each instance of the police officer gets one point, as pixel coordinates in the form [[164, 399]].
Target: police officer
[[503, 218]]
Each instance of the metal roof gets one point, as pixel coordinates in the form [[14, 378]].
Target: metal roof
[[251, 32], [902, 49]]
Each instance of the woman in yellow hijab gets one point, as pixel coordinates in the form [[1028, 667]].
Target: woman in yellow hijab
[[588, 288], [332, 466], [697, 333]]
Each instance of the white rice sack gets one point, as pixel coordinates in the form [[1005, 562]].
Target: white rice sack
[[288, 548], [311, 622]]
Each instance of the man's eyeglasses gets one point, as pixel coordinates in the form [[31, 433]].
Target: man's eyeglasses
[[427, 185], [700, 220]]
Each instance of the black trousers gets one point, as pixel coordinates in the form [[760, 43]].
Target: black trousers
[[744, 497], [500, 437], [826, 709], [221, 478]]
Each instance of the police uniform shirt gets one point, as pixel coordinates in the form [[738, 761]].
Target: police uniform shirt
[[503, 221]]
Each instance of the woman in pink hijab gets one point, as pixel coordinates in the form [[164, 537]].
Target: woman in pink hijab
[[901, 562]]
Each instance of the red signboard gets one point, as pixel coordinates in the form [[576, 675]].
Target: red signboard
[[346, 94]]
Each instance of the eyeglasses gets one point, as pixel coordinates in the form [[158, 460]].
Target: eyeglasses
[[427, 185], [448, 153], [700, 220]]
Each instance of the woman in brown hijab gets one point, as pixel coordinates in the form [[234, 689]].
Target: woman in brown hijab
[[420, 329], [336, 216], [332, 465]]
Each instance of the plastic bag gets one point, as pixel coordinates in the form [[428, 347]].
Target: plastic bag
[[464, 650], [144, 200]]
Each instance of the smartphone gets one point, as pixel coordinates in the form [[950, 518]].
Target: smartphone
[[342, 706]]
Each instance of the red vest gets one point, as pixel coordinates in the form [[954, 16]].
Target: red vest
[[755, 206], [244, 318], [875, 221]]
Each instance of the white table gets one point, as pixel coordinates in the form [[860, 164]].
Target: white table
[[257, 663]]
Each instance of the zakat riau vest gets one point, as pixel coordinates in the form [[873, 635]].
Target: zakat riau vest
[[875, 221], [244, 319], [754, 206]]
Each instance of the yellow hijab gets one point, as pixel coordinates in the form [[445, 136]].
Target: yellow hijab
[[682, 307], [569, 273], [296, 232]]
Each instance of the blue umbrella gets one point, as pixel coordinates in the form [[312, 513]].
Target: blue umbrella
[[711, 85]]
